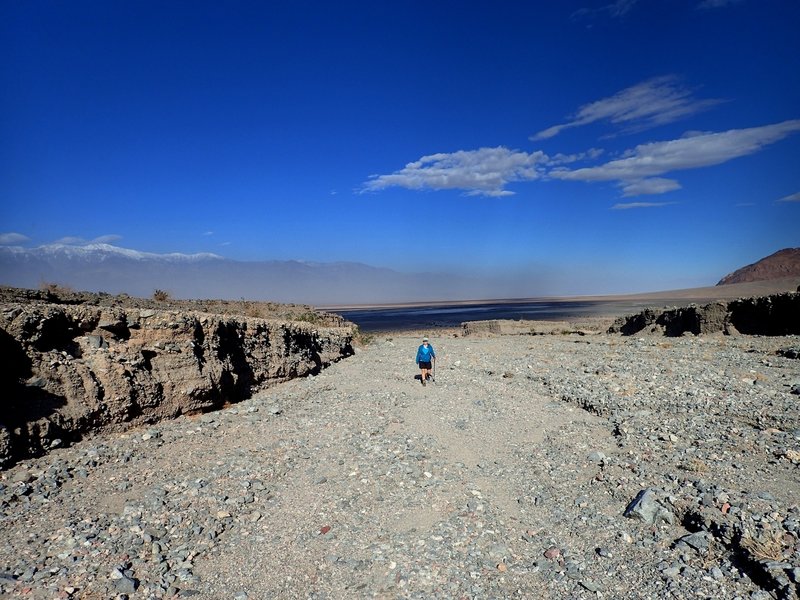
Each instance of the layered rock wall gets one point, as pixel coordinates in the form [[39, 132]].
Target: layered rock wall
[[514, 327], [72, 369], [778, 314]]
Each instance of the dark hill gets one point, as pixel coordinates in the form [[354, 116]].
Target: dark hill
[[784, 263]]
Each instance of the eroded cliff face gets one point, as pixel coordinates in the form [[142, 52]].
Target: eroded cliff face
[[778, 314], [71, 369]]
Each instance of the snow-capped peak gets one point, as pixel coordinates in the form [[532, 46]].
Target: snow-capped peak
[[106, 251]]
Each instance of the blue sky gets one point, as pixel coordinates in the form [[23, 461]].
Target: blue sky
[[594, 147]]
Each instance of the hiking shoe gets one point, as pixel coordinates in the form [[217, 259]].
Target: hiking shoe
[[423, 382]]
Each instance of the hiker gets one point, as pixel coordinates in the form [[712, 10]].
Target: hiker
[[425, 354]]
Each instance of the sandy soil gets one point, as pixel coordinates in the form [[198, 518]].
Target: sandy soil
[[506, 478]]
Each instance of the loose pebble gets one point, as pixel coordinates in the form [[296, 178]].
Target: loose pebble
[[534, 467]]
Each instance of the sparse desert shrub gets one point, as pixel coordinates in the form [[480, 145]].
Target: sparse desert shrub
[[713, 555], [54, 289], [160, 296], [261, 310], [695, 465], [362, 338], [770, 545], [309, 317], [252, 310]]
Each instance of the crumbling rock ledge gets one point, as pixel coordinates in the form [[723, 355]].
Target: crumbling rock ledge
[[517, 327], [778, 314], [68, 370]]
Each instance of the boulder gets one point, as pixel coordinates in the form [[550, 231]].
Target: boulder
[[647, 508]]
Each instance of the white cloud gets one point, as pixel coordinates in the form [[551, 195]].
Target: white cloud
[[72, 240], [615, 10], [11, 238], [482, 172], [653, 102], [487, 171], [563, 159], [629, 205], [208, 233], [716, 3], [699, 150], [649, 186], [790, 198], [620, 7], [106, 239]]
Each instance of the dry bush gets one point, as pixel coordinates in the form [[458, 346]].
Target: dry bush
[[308, 316], [695, 465], [768, 546], [259, 310], [361, 338], [55, 289], [713, 555], [160, 296], [252, 310]]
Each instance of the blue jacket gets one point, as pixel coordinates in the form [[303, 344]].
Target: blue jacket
[[425, 354]]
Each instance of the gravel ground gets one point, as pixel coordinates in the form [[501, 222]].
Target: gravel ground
[[507, 477]]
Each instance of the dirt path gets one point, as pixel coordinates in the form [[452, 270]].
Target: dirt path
[[401, 463]]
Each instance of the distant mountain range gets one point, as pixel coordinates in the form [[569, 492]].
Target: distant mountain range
[[784, 263], [107, 268]]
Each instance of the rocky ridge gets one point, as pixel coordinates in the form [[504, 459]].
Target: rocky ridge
[[516, 327], [783, 263], [73, 368], [56, 294], [778, 314]]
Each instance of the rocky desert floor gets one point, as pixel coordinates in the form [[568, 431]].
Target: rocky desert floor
[[509, 477]]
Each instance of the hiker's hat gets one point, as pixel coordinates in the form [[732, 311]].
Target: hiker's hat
[[424, 339]]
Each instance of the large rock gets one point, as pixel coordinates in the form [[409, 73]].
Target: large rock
[[647, 508], [68, 370]]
